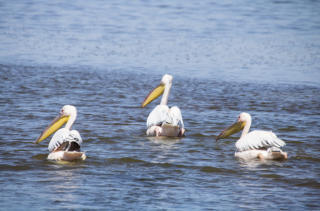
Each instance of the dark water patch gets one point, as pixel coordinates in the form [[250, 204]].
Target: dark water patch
[[306, 183], [289, 128], [125, 160], [105, 139], [309, 183], [40, 156], [198, 135], [307, 158], [272, 176], [10, 168], [210, 169]]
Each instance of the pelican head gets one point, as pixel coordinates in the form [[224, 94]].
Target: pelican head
[[166, 82], [243, 119], [67, 115], [166, 79]]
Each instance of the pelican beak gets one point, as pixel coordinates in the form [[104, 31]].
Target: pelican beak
[[154, 94], [234, 128], [53, 127]]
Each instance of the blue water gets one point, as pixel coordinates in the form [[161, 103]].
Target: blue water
[[260, 57], [278, 40]]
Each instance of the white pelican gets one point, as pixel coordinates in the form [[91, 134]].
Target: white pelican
[[164, 121], [65, 143], [256, 144]]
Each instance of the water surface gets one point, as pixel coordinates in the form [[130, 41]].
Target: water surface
[[104, 58]]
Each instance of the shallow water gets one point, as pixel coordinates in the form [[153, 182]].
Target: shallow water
[[104, 58]]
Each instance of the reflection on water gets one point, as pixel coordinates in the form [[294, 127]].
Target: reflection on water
[[63, 185], [164, 141], [259, 164]]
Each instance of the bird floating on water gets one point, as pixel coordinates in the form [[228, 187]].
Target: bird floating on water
[[256, 144], [65, 143], [163, 121]]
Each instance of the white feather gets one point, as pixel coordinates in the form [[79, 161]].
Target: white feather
[[158, 115], [259, 139], [162, 114], [175, 117], [64, 135]]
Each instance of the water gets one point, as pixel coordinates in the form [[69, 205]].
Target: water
[[104, 58]]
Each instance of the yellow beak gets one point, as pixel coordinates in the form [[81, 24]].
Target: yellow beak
[[234, 128], [154, 94], [53, 127]]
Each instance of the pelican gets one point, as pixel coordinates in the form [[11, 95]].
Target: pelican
[[163, 121], [256, 144], [65, 143]]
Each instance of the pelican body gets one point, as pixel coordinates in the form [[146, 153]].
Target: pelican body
[[255, 144], [162, 120], [65, 143]]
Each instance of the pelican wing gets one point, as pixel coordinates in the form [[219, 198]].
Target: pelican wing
[[259, 139], [175, 117], [75, 136], [64, 135], [158, 115], [162, 114]]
